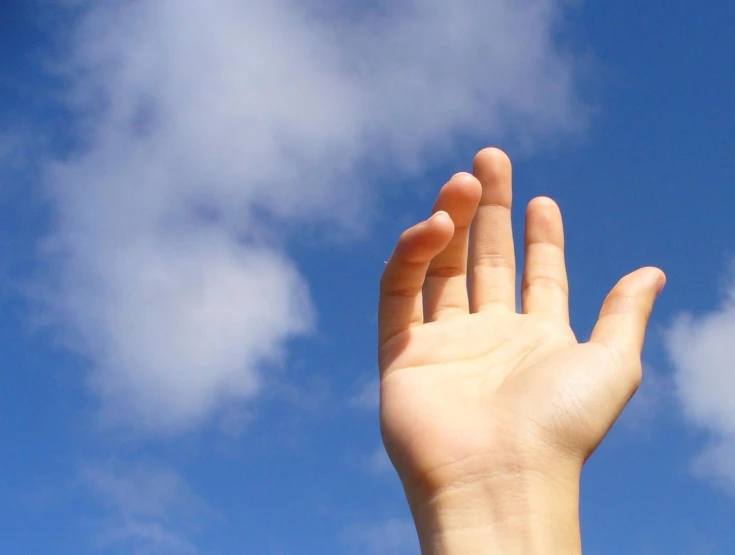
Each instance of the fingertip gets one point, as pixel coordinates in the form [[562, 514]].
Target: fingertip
[[462, 184], [493, 169], [463, 176], [655, 278], [492, 157], [543, 203], [469, 184], [660, 280], [440, 216], [439, 229], [544, 222]]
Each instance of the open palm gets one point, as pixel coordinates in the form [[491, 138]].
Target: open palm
[[470, 387]]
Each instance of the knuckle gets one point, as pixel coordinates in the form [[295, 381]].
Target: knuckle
[[446, 271], [401, 291], [404, 237], [629, 368], [619, 302], [493, 260], [545, 281]]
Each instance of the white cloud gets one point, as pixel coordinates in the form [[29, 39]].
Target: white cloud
[[703, 352], [208, 129], [147, 509]]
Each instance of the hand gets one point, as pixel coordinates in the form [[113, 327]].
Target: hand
[[489, 414]]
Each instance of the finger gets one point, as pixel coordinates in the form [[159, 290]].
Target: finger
[[492, 260], [403, 277], [545, 289], [624, 317], [445, 288]]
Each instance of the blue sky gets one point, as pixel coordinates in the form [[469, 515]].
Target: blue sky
[[197, 202]]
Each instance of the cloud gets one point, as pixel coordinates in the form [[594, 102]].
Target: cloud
[[702, 350], [146, 509], [207, 131], [393, 537]]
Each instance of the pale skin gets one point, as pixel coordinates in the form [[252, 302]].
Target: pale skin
[[489, 411]]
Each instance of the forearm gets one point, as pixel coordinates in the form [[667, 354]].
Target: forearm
[[523, 518]]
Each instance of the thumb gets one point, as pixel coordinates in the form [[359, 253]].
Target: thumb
[[624, 317]]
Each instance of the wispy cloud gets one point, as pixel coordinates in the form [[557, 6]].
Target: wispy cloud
[[702, 349], [208, 129], [145, 509]]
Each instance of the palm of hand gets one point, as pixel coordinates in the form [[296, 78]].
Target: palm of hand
[[471, 388]]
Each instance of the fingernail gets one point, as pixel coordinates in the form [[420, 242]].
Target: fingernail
[[438, 214]]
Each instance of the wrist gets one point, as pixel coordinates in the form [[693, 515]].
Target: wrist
[[514, 514]]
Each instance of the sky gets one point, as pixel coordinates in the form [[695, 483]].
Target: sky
[[197, 199]]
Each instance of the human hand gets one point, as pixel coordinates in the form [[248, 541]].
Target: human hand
[[488, 414]]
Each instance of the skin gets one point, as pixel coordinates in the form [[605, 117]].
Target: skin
[[488, 410]]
